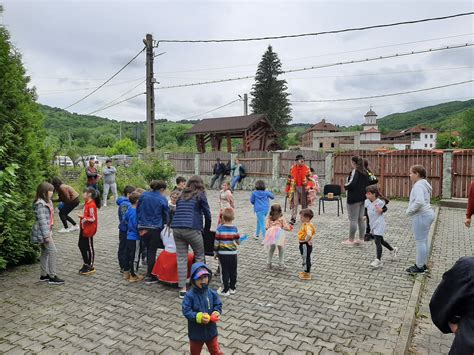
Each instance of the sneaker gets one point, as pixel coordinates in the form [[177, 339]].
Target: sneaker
[[425, 268], [256, 237], [416, 270], [105, 204], [221, 292], [358, 242], [150, 280], [304, 276], [83, 269], [293, 221], [56, 281], [64, 230], [394, 253], [135, 278], [348, 243], [376, 264], [126, 275], [181, 294], [232, 291], [89, 270], [44, 278], [73, 228]]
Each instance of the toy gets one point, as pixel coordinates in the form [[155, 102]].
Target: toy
[[215, 317], [244, 238]]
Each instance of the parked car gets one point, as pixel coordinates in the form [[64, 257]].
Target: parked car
[[63, 160], [122, 159], [99, 160]]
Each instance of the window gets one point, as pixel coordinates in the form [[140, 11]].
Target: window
[[426, 136], [332, 145], [426, 145], [431, 145], [321, 145], [431, 136]]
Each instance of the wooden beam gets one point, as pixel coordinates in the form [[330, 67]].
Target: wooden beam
[[229, 144]]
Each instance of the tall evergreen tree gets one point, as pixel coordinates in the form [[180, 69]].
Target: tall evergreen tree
[[269, 94], [23, 158]]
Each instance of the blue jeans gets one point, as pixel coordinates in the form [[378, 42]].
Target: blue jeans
[[261, 223], [235, 181], [421, 229]]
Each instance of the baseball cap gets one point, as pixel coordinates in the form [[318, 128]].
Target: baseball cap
[[201, 272]]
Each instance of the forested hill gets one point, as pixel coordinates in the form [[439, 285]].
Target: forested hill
[[444, 117]]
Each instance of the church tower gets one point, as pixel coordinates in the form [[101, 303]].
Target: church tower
[[370, 120]]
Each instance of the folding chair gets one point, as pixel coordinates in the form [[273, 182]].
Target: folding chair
[[336, 190]]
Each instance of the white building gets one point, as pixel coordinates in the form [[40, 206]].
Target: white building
[[419, 137]]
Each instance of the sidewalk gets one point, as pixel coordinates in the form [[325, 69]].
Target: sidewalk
[[452, 240], [347, 307]]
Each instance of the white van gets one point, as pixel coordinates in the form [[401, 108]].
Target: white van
[[63, 160]]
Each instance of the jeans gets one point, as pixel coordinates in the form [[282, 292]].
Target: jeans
[[228, 265], [48, 258], [235, 181], [421, 229], [121, 249], [64, 212], [183, 237], [261, 215], [305, 251], [107, 187], [130, 250], [355, 211], [219, 178]]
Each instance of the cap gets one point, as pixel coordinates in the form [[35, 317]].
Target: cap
[[201, 272], [298, 157]]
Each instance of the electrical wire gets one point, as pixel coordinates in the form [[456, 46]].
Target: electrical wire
[[396, 55], [59, 91], [217, 108], [117, 103], [315, 33], [385, 95], [105, 82]]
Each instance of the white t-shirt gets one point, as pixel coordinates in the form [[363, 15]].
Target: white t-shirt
[[376, 220]]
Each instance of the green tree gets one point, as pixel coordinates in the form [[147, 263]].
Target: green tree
[[467, 133], [446, 140], [269, 94], [23, 157], [123, 146]]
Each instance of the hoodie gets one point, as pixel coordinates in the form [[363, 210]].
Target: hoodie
[[124, 204], [420, 196], [260, 200], [198, 300]]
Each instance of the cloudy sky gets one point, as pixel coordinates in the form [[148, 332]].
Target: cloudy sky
[[70, 47]]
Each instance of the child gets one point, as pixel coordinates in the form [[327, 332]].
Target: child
[[202, 307], [124, 204], [133, 240], [88, 223], [42, 233], [225, 247], [260, 200], [314, 188], [180, 184], [374, 205], [305, 237], [225, 199], [276, 226]]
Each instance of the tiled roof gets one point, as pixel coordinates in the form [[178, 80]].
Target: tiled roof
[[226, 124], [323, 126]]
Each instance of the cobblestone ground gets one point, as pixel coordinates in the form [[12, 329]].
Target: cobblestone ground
[[452, 240], [347, 307]]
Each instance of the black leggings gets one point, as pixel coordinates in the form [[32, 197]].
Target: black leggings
[[86, 246], [152, 241], [64, 212], [379, 241]]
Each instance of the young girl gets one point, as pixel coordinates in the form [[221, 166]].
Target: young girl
[[374, 205], [225, 199], [42, 233], [88, 223], [276, 226], [314, 188], [260, 200]]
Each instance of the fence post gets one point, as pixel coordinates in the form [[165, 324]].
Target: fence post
[[276, 160], [197, 163], [447, 174], [166, 156], [328, 168]]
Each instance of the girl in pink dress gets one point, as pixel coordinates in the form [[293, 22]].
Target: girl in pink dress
[[276, 226]]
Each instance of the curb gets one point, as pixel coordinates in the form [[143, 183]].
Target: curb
[[408, 325]]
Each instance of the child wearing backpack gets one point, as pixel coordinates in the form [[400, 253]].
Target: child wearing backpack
[[276, 226], [260, 200]]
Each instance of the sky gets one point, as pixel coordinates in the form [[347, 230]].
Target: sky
[[70, 47]]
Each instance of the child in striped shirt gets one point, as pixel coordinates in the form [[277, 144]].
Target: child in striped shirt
[[225, 248]]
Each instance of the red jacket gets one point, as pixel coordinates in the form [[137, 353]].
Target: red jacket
[[89, 219], [470, 202]]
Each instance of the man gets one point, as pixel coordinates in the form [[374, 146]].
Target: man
[[92, 175], [297, 186], [219, 172], [452, 305], [109, 173], [238, 173]]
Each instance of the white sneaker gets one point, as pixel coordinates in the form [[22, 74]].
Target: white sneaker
[[64, 230], [232, 292], [105, 205], [73, 228], [376, 264], [394, 253], [220, 293]]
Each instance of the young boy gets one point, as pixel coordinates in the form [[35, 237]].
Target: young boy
[[123, 205], [202, 307], [305, 238], [180, 184], [133, 240], [225, 248]]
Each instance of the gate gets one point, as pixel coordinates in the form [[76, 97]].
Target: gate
[[462, 172]]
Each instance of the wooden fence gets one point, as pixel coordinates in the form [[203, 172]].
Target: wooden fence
[[462, 172], [257, 163], [182, 162], [392, 169], [313, 159]]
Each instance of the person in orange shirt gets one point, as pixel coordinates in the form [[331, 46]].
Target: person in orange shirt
[[299, 181]]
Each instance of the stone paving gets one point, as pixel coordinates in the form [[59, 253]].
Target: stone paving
[[452, 240], [347, 307]]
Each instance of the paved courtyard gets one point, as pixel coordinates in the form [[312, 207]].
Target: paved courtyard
[[347, 307]]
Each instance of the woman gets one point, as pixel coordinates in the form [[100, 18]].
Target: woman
[[70, 200], [187, 226], [420, 209], [357, 182]]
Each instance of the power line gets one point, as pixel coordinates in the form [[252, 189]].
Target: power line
[[105, 82], [215, 109], [385, 95], [314, 56], [117, 103], [315, 33], [59, 91], [321, 66]]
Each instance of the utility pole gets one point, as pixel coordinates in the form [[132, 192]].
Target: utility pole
[[246, 105], [150, 94], [120, 130]]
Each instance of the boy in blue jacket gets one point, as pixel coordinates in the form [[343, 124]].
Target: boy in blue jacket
[[202, 307], [133, 240], [123, 205]]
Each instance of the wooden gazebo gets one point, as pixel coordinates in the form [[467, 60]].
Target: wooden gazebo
[[255, 131]]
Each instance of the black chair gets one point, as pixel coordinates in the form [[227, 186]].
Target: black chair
[[336, 190]]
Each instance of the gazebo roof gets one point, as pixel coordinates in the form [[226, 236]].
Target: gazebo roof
[[227, 124]]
